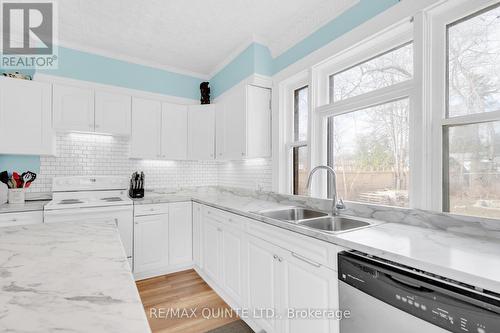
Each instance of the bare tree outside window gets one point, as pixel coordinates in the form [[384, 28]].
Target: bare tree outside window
[[472, 172], [369, 148]]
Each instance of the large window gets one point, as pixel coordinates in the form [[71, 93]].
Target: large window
[[370, 150], [471, 133], [299, 148], [369, 146]]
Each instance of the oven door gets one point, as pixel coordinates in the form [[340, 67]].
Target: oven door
[[122, 215]]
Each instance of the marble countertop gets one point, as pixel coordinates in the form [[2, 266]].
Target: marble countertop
[[67, 277], [472, 260], [28, 206]]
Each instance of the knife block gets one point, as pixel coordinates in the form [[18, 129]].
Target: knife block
[[136, 193]]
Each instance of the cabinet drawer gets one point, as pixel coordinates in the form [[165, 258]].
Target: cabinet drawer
[[300, 246], [227, 218], [12, 219], [151, 209]]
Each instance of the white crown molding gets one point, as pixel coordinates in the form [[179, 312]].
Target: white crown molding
[[54, 79], [131, 59], [236, 52]]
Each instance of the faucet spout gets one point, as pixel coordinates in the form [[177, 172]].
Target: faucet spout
[[337, 205]]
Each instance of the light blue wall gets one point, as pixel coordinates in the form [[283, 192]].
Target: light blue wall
[[91, 67], [256, 58], [263, 63], [19, 163]]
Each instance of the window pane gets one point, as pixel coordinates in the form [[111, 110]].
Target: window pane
[[474, 64], [300, 170], [474, 169], [385, 70], [370, 154], [300, 114]]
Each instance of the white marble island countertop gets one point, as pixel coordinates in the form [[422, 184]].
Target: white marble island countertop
[[67, 277]]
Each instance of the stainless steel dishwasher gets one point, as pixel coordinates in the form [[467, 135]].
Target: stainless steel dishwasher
[[386, 297]]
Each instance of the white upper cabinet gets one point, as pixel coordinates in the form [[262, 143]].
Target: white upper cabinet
[[174, 131], [244, 123], [201, 132], [25, 117], [113, 113], [73, 108], [85, 109], [146, 123]]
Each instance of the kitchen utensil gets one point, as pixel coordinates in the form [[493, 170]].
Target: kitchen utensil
[[28, 177], [4, 177], [17, 179]]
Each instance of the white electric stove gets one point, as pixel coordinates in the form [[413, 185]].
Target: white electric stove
[[93, 198]]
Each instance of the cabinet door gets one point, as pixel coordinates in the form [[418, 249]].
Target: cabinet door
[[258, 119], [201, 129], [73, 108], [180, 232], [174, 131], [146, 117], [232, 262], [113, 113], [321, 293], [263, 282], [211, 248], [150, 242], [197, 233], [234, 127], [25, 117], [219, 131]]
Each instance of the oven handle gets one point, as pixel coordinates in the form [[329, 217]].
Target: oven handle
[[60, 212]]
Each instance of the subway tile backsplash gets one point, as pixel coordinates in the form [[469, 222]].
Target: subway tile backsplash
[[89, 154]]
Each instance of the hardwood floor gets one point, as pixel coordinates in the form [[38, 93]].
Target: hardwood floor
[[186, 292]]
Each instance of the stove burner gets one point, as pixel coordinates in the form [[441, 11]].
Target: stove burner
[[70, 201], [111, 199]]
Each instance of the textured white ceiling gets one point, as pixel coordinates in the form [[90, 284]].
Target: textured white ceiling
[[190, 35]]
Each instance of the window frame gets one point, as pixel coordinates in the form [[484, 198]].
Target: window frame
[[288, 90], [439, 21], [387, 42]]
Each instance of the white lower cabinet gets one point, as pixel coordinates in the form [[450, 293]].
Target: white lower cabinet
[[307, 285], [276, 281], [263, 283], [197, 234], [150, 242], [212, 248], [180, 233], [162, 238]]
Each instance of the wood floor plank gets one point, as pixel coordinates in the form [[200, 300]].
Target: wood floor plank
[[184, 291]]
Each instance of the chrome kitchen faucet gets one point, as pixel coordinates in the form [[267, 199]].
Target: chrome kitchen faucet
[[336, 206]]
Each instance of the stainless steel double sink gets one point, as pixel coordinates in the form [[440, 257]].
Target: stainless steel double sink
[[317, 220]]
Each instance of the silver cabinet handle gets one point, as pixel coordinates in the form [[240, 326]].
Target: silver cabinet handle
[[304, 259]]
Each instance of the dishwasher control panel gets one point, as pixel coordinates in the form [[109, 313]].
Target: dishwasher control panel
[[450, 307]]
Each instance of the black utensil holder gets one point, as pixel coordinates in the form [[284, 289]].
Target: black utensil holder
[[136, 193]]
